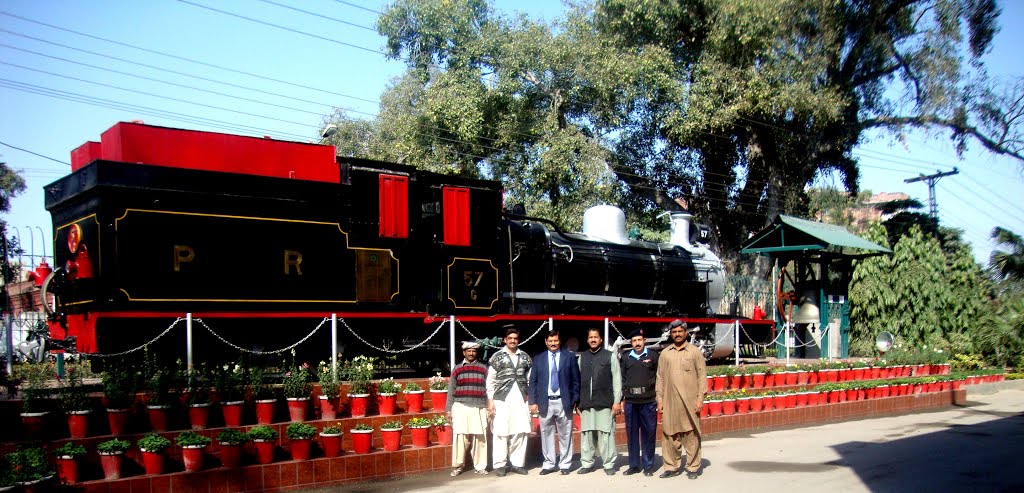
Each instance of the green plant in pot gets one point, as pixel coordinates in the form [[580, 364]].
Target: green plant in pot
[[34, 386], [412, 387], [391, 425], [70, 449], [73, 395], [365, 427], [419, 422], [388, 386], [232, 437], [192, 439], [258, 384], [230, 383], [296, 383], [29, 465], [329, 386], [118, 386], [159, 382], [331, 430], [300, 431], [197, 379], [113, 446], [359, 372], [264, 433], [153, 443]]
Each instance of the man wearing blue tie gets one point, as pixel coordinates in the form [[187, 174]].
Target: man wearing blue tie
[[554, 393]]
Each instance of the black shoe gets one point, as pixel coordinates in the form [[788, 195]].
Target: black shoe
[[501, 471], [518, 470], [648, 472], [693, 474], [610, 472], [545, 472], [565, 471], [669, 474], [585, 470], [631, 471]]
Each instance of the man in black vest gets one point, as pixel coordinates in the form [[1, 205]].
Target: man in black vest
[[639, 370], [600, 393]]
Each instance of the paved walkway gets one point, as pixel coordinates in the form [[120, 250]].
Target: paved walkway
[[977, 448]]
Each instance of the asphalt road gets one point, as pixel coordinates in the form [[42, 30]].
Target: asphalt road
[[978, 447]]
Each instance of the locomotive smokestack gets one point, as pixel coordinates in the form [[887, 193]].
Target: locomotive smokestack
[[681, 229]]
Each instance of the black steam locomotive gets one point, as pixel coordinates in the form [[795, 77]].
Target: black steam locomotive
[[155, 222]]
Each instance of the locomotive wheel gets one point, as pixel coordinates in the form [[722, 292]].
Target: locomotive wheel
[[57, 283]]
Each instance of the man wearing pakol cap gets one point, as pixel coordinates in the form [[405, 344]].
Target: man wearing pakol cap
[[507, 383], [680, 386], [639, 370], [600, 396], [467, 410]]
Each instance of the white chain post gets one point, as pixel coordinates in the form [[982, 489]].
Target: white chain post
[[334, 347], [451, 342], [736, 341], [606, 345], [188, 339]]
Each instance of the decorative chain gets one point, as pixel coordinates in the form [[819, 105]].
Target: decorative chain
[[524, 341], [612, 323], [383, 350], [276, 351], [122, 353], [474, 335]]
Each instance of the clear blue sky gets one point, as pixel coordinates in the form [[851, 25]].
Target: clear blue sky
[[59, 89]]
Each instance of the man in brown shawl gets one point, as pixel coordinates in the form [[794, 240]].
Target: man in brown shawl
[[680, 387]]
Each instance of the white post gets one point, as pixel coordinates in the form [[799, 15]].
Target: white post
[[606, 343], [787, 343], [551, 324], [451, 342], [736, 341], [188, 338], [334, 347]]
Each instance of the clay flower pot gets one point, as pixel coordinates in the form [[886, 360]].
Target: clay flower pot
[[361, 441], [230, 455], [297, 409], [438, 399], [198, 415], [392, 439], [67, 469], [331, 443], [328, 408], [192, 456], [78, 423], [118, 421], [232, 413], [264, 451], [111, 464], [357, 404], [420, 436], [153, 462], [265, 411], [386, 404], [414, 401], [445, 435], [157, 417]]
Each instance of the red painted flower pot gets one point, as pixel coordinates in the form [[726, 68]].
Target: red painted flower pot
[[715, 408], [445, 434], [729, 407], [157, 417], [111, 464], [331, 444], [813, 398], [192, 456], [923, 370], [874, 373], [833, 375], [78, 423], [414, 401], [535, 424], [768, 403], [361, 440], [392, 439], [704, 410], [869, 393], [790, 401], [231, 455], [576, 423], [420, 436], [851, 394], [733, 381], [742, 405], [812, 378], [779, 402], [67, 470], [198, 415], [300, 449], [328, 408], [34, 425], [153, 462], [822, 376], [858, 373], [758, 380], [232, 413], [297, 409], [438, 399], [265, 411], [386, 404], [357, 404], [756, 404], [802, 377], [801, 399], [118, 421], [264, 451], [834, 397], [718, 383], [769, 380], [791, 378]]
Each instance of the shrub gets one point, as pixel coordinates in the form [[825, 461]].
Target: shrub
[[34, 390], [300, 431], [358, 372], [296, 383], [29, 464], [113, 446], [192, 439], [257, 384], [70, 449], [232, 437], [119, 386], [72, 393], [391, 425], [265, 433], [198, 379], [388, 386], [153, 443], [230, 383], [966, 362], [329, 386]]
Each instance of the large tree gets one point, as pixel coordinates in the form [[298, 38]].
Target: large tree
[[11, 184]]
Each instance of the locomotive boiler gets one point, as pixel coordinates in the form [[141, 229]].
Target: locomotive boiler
[[156, 222]]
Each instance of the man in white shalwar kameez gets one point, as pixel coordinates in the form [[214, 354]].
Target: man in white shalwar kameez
[[467, 410], [507, 380]]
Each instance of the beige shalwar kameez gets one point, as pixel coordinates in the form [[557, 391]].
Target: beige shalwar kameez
[[681, 385]]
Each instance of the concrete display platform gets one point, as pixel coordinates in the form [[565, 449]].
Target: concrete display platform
[[974, 447]]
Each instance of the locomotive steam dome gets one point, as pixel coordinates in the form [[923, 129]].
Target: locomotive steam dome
[[605, 223]]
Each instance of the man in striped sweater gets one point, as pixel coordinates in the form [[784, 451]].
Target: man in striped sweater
[[467, 410]]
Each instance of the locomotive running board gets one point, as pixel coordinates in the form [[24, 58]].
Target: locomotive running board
[[582, 297]]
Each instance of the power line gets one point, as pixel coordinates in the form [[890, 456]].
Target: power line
[[360, 26], [360, 7], [34, 153]]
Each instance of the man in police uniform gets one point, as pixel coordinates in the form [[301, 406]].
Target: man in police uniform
[[639, 371]]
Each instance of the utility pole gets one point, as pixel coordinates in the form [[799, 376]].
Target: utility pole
[[933, 208]]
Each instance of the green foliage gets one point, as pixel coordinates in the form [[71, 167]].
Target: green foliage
[[35, 385], [113, 446], [440, 421], [966, 362], [159, 381], [362, 427], [263, 432], [359, 372], [197, 379], [412, 387], [331, 430], [72, 393], [300, 431], [391, 425], [258, 385], [438, 382], [70, 449], [418, 422], [329, 386], [29, 464], [388, 386], [296, 383], [153, 442], [232, 436], [1007, 260], [119, 385], [192, 439], [230, 383]]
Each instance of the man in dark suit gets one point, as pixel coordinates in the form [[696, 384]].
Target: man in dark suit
[[554, 393]]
